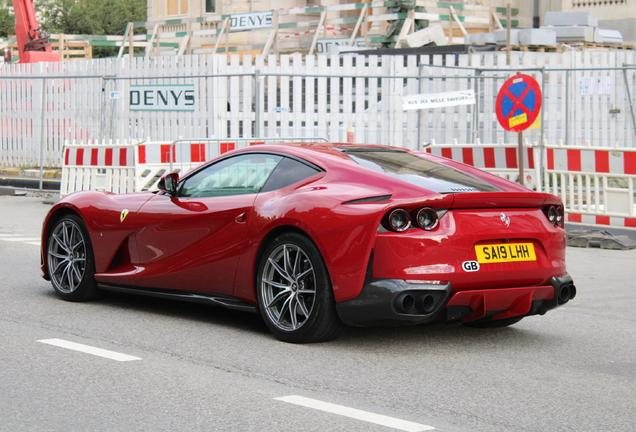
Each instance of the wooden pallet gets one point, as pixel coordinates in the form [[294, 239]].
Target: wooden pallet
[[623, 46], [537, 48]]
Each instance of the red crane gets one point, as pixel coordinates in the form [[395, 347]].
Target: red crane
[[33, 42]]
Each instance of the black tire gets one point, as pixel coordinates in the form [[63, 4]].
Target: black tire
[[70, 260], [294, 291], [494, 323]]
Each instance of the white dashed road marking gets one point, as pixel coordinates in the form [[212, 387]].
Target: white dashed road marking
[[16, 238], [89, 350], [357, 414]]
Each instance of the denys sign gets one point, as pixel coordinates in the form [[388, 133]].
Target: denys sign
[[250, 21], [168, 97], [438, 100]]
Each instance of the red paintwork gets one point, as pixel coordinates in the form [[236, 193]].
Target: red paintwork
[[438, 255], [514, 301], [212, 244]]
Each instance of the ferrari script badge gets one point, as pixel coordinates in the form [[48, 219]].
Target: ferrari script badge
[[505, 219], [123, 215]]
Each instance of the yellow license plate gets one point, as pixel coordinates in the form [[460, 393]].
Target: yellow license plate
[[508, 252]]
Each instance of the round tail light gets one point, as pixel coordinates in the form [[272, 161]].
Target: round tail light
[[552, 215], [559, 216], [426, 218], [399, 220]]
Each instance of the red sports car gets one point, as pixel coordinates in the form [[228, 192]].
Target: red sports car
[[317, 236]]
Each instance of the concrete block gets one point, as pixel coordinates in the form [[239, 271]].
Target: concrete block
[[480, 38], [573, 33], [580, 18], [434, 33], [608, 36], [599, 239], [544, 37], [500, 37]]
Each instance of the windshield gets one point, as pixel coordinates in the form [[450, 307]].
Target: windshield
[[418, 171]]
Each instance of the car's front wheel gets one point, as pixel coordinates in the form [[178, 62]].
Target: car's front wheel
[[294, 291], [70, 260]]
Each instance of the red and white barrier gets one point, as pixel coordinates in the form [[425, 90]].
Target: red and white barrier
[[587, 160], [99, 156], [595, 184], [103, 167]]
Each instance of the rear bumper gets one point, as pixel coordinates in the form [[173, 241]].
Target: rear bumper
[[395, 302]]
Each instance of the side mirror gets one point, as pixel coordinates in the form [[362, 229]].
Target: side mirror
[[7, 55], [168, 183]]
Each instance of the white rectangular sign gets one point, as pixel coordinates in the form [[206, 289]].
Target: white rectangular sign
[[438, 100], [250, 21], [170, 97], [595, 85]]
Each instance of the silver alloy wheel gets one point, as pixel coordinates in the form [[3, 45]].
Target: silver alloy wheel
[[67, 256], [288, 286]]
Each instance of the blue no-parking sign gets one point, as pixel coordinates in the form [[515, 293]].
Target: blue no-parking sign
[[518, 103]]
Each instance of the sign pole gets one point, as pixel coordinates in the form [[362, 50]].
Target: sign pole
[[521, 159]]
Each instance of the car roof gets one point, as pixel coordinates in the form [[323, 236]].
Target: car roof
[[317, 152]]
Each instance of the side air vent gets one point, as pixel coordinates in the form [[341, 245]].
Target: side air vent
[[368, 200]]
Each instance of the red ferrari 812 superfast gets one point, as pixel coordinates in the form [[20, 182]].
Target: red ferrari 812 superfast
[[316, 236]]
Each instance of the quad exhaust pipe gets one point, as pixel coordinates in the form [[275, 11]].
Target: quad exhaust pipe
[[414, 302]]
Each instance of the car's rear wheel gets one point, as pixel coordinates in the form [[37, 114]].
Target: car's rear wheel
[[494, 323], [294, 291], [70, 260]]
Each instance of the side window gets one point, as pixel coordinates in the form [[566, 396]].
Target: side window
[[238, 175], [288, 172]]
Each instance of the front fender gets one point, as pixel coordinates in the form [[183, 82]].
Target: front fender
[[109, 219]]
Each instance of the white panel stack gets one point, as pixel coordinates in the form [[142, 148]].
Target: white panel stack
[[543, 37], [580, 26], [579, 18], [573, 33], [609, 36], [480, 38], [501, 36]]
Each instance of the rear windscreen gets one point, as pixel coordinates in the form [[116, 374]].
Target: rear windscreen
[[418, 171]]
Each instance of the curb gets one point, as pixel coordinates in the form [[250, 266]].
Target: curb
[[9, 172], [31, 173], [35, 173]]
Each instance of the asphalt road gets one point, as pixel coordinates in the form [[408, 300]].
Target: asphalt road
[[199, 368]]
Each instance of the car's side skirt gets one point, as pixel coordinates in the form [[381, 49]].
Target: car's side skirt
[[205, 298]]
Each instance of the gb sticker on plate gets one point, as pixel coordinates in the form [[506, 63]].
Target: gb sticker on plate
[[470, 266]]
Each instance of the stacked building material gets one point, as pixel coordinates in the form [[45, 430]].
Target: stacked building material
[[537, 37], [579, 18], [560, 27], [580, 26], [569, 34]]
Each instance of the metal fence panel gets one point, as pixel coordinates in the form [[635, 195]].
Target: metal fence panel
[[588, 98]]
